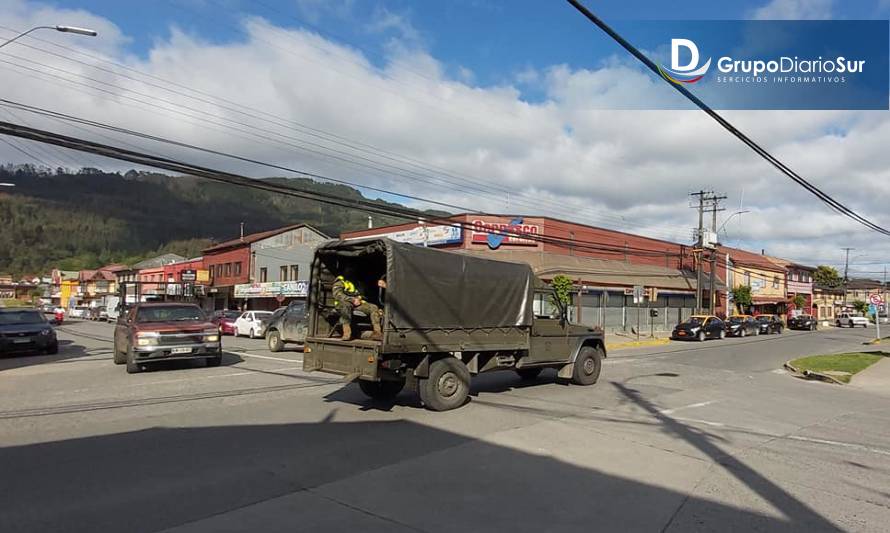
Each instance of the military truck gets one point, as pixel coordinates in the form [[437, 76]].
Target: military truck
[[447, 316]]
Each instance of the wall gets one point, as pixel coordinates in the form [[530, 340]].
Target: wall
[[291, 248], [232, 256]]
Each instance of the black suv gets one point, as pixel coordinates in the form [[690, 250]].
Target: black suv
[[26, 330], [287, 325], [803, 322]]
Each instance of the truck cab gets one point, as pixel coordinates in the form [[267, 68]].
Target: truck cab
[[446, 316]]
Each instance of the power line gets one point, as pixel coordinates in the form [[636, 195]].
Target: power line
[[825, 198]]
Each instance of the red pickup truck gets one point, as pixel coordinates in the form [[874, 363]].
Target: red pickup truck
[[164, 331]]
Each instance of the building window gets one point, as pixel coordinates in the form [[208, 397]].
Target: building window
[[238, 268], [776, 282], [264, 275], [282, 273], [219, 270], [294, 272], [228, 270]]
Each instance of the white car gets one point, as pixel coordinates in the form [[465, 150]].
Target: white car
[[850, 320], [250, 323], [80, 311]]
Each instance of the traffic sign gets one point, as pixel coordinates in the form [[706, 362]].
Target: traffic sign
[[876, 299], [638, 294]]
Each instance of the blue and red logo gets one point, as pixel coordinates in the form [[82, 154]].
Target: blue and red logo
[[691, 72]]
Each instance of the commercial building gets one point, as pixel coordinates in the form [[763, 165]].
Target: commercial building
[[606, 265], [766, 278], [262, 270]]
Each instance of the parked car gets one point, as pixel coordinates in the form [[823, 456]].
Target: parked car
[[250, 323], [807, 322], [700, 327], [103, 313], [26, 330], [163, 331], [289, 326], [225, 321], [80, 311], [851, 320], [741, 326], [770, 324]]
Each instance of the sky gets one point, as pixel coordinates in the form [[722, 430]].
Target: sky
[[513, 106]]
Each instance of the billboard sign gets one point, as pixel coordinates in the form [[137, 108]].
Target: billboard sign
[[512, 233], [429, 235], [273, 289]]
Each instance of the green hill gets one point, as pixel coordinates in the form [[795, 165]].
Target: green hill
[[89, 218]]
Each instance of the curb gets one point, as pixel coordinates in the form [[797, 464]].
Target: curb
[[636, 344], [807, 374]]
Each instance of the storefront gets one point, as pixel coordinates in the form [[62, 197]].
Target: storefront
[[270, 295]]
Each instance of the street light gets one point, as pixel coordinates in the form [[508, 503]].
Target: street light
[[730, 218], [63, 29]]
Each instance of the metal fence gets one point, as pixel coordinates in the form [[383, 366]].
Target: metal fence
[[615, 311]]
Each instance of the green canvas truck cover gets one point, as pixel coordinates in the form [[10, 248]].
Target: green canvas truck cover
[[436, 289]]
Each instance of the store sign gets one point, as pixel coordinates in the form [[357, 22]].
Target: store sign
[[188, 275], [496, 234], [202, 276], [429, 235], [273, 289]]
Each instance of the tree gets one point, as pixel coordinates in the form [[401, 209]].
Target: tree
[[827, 276], [562, 285], [799, 301], [742, 297], [860, 306]]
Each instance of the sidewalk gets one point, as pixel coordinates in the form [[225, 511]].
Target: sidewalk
[[619, 342], [875, 378]]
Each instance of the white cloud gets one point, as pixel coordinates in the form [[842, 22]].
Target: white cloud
[[574, 159], [794, 10]]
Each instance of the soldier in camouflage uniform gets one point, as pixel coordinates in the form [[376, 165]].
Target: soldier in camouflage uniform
[[349, 299]]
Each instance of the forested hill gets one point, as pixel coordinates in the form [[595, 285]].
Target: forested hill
[[89, 218]]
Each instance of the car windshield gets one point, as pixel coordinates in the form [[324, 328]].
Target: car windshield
[[228, 314], [736, 320], [763, 318], [298, 307], [169, 313], [25, 316], [694, 321]]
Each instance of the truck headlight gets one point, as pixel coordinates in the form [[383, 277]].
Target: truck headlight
[[46, 331], [211, 335], [147, 338]]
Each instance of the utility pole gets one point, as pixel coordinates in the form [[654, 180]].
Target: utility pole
[[699, 249], [712, 286], [846, 271]]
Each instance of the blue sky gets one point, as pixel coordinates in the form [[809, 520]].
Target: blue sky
[[493, 39]]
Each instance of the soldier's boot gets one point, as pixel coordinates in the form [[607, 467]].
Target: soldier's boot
[[347, 332], [376, 323]]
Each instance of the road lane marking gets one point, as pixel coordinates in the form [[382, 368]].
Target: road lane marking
[[697, 421], [838, 443], [690, 406], [231, 374], [230, 352]]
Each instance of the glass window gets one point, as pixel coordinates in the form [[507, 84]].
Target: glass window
[[294, 272], [776, 282], [264, 274], [238, 268], [282, 273], [228, 269]]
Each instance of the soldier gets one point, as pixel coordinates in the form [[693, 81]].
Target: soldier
[[349, 299]]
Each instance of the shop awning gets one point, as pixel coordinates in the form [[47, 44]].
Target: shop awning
[[761, 300]]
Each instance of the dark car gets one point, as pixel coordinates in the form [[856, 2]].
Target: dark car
[[164, 331], [807, 322], [225, 320], [741, 326], [700, 327], [770, 324], [287, 325], [26, 330]]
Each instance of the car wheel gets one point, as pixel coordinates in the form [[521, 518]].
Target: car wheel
[[743, 332], [119, 356], [132, 366], [52, 349], [588, 365], [381, 390], [273, 338], [216, 360], [528, 374], [447, 386], [702, 336], [252, 334], [722, 334]]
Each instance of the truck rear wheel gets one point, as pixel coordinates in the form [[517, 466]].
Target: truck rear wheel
[[588, 365], [381, 390], [447, 386], [528, 374], [274, 340]]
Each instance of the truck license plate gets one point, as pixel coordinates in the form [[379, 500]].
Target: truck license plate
[[21, 341], [180, 350]]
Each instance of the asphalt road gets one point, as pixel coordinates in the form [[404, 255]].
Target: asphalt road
[[711, 437]]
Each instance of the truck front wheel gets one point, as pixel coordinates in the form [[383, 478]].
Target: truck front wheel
[[588, 365], [274, 340], [447, 386], [381, 390]]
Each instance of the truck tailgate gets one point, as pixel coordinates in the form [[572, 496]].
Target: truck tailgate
[[357, 358]]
